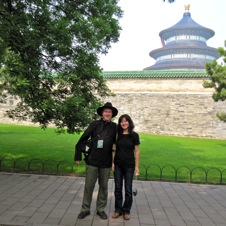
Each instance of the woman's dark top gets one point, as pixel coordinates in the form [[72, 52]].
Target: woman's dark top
[[125, 146]]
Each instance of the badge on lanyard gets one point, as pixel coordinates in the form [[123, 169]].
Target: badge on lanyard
[[100, 143]]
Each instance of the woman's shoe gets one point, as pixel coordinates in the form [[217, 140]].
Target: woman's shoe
[[116, 215], [126, 217]]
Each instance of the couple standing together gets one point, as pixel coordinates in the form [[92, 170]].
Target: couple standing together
[[123, 160]]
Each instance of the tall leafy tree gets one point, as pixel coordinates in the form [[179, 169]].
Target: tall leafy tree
[[49, 58], [217, 73]]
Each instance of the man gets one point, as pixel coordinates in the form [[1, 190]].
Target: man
[[99, 161]]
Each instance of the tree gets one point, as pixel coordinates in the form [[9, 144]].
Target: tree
[[217, 81], [49, 58]]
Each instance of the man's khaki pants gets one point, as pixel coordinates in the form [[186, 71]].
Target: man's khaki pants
[[92, 174]]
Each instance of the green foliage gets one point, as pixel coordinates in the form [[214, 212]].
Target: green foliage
[[217, 81], [64, 38]]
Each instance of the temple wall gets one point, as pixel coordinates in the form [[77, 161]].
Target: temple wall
[[157, 85], [10, 104], [172, 113], [180, 107]]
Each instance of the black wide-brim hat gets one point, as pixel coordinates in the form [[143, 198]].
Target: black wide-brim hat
[[108, 105]]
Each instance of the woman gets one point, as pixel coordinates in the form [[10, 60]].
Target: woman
[[126, 163]]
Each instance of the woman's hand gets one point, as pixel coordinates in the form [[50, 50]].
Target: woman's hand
[[137, 171], [113, 167]]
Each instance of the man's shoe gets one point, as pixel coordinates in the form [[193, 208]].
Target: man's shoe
[[116, 215], [82, 215], [102, 215]]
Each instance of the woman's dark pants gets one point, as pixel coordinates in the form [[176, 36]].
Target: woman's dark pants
[[125, 173]]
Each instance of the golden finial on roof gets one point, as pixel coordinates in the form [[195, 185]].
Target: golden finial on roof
[[187, 8]]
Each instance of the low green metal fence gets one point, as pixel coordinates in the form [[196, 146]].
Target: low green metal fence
[[153, 171], [168, 172]]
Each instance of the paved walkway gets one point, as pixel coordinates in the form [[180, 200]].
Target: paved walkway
[[42, 200]]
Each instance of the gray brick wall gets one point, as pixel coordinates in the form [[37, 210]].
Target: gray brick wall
[[170, 113], [180, 114]]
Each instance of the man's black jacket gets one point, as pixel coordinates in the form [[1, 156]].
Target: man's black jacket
[[98, 130]]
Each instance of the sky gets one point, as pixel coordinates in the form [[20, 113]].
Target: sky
[[144, 19]]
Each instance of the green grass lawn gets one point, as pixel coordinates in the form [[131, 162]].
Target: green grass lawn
[[161, 155]]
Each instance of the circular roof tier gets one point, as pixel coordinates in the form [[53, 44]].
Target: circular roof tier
[[186, 26], [189, 64], [206, 50]]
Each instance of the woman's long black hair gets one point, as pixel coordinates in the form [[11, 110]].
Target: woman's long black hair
[[131, 124]]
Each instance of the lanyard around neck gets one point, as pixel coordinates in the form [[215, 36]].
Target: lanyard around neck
[[99, 136]]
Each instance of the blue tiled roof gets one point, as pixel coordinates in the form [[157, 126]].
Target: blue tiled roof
[[187, 21], [189, 26], [185, 37]]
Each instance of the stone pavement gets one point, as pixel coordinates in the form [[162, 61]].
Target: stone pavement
[[42, 200]]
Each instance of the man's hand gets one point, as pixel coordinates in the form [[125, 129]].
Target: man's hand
[[77, 162]]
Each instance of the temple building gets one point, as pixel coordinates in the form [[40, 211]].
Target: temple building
[[169, 97], [184, 46]]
